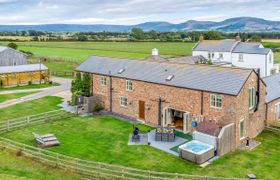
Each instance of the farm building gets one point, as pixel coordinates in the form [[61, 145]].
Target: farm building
[[273, 99], [180, 95], [15, 70], [11, 57], [22, 74], [237, 53]]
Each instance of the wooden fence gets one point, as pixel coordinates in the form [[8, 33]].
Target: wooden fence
[[90, 169], [62, 73]]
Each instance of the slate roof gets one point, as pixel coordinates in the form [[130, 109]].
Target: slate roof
[[22, 68], [230, 46], [198, 77], [3, 48], [215, 46], [188, 59], [250, 48], [272, 87]]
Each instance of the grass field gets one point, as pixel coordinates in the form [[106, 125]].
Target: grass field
[[31, 107], [6, 97], [19, 168], [32, 86], [105, 139]]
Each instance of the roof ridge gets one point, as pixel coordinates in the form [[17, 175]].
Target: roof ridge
[[180, 64]]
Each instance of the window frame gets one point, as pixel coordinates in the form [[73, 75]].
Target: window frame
[[277, 111], [128, 85], [240, 57], [123, 101], [103, 81], [214, 101], [252, 97], [242, 131], [221, 55]]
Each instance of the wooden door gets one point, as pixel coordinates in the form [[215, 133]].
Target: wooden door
[[142, 110]]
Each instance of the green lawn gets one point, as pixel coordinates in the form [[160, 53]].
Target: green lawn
[[31, 107], [104, 139], [14, 168], [32, 86], [6, 97]]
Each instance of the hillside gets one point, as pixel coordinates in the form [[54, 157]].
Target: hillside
[[240, 24]]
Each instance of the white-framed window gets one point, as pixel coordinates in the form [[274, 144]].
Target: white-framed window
[[123, 101], [240, 57], [277, 112], [209, 55], [128, 85], [242, 129], [213, 55], [103, 80], [252, 98], [221, 56], [216, 101]]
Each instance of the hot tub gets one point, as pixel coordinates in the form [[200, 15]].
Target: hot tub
[[196, 151]]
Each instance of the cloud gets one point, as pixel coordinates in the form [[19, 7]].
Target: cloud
[[130, 11]]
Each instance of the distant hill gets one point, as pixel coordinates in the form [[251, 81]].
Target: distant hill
[[240, 24]]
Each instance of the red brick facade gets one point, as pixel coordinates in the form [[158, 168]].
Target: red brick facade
[[234, 108], [271, 110]]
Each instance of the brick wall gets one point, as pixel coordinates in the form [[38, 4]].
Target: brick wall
[[233, 108], [271, 119]]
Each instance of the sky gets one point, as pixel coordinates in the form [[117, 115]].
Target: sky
[[127, 12]]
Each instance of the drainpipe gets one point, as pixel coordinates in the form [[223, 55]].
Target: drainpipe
[[266, 65], [159, 111], [202, 103], [258, 91], [110, 93]]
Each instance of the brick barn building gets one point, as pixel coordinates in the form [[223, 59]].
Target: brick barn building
[[178, 94]]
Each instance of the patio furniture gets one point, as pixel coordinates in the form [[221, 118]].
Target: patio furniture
[[48, 140], [165, 134]]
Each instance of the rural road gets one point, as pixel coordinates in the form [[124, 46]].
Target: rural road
[[62, 91]]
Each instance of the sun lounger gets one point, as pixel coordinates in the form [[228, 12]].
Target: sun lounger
[[47, 140]]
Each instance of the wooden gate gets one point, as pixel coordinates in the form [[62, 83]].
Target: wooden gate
[[142, 110]]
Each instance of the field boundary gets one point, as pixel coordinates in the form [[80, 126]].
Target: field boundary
[[83, 167]]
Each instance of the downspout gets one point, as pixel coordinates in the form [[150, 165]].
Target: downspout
[[202, 103], [266, 65], [258, 91], [159, 111], [110, 93]]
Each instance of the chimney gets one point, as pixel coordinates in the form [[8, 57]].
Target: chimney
[[155, 52], [201, 38], [237, 38]]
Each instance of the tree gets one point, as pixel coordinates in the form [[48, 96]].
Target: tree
[[87, 85], [153, 34], [138, 33], [212, 35], [256, 38], [82, 38], [76, 87], [13, 45]]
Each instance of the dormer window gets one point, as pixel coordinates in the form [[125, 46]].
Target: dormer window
[[121, 71], [169, 78]]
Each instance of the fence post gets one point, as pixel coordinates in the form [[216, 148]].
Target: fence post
[[28, 119]]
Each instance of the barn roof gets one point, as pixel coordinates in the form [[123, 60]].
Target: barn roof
[[4, 48], [198, 77], [272, 87], [22, 68]]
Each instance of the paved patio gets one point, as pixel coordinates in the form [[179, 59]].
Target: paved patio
[[165, 146]]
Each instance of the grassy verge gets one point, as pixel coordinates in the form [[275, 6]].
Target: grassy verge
[[14, 167], [31, 107], [32, 86], [6, 97]]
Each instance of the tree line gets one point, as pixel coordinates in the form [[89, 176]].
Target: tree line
[[138, 34]]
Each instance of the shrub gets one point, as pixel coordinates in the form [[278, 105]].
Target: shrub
[[1, 83], [97, 108], [29, 82], [13, 45]]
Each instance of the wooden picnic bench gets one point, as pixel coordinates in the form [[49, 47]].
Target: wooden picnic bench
[[47, 140]]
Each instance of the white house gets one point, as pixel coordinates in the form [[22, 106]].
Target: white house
[[237, 53]]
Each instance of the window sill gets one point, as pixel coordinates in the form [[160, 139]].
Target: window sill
[[218, 108]]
